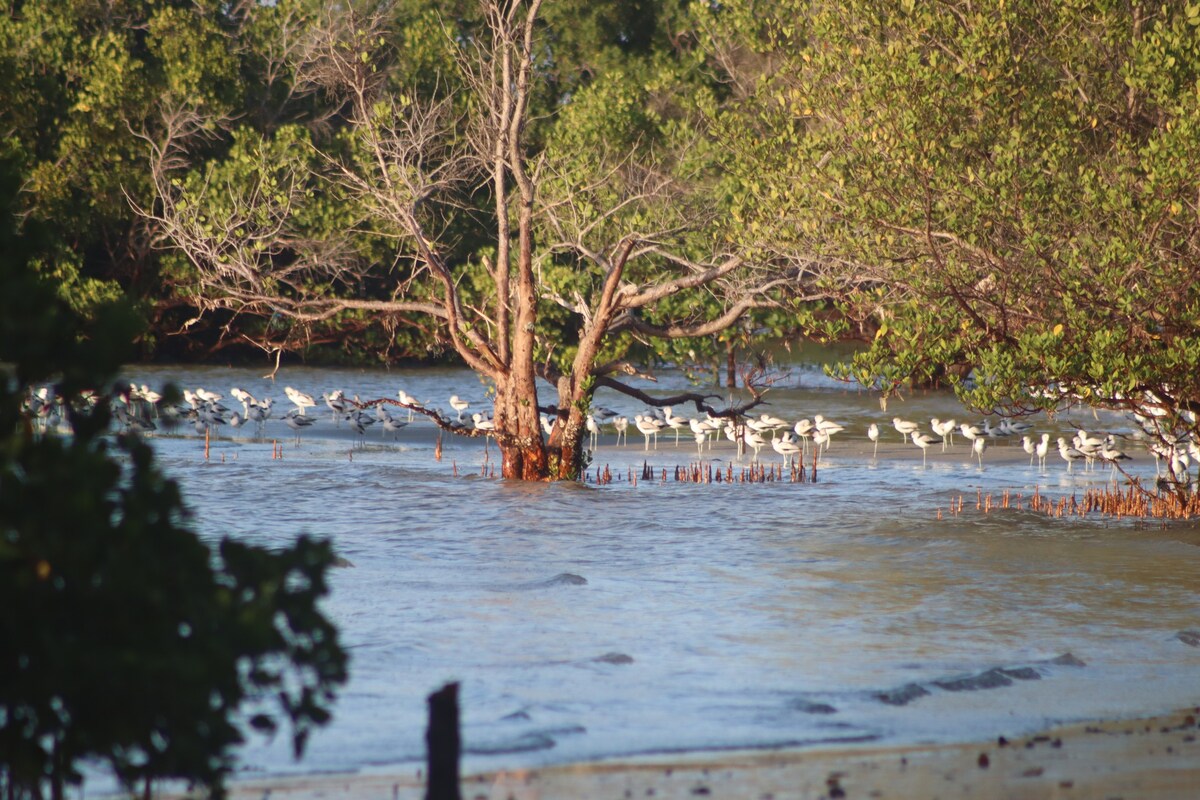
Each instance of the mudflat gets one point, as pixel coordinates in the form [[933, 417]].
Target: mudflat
[[1142, 759]]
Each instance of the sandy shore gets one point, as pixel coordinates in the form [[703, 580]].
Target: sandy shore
[[1157, 757]]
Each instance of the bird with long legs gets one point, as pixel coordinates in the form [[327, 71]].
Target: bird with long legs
[[648, 426], [786, 446], [945, 429], [676, 424], [873, 435], [408, 400], [298, 422], [1068, 453], [301, 400], [827, 427], [755, 440], [1029, 446], [1111, 454], [392, 425], [1042, 450], [978, 446], [904, 427], [621, 426], [924, 441], [338, 406]]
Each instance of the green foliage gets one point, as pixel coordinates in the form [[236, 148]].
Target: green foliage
[[126, 639], [1012, 188]]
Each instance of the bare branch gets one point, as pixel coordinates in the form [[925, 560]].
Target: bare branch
[[699, 400]]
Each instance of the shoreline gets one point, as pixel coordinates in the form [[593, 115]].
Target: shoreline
[[1143, 758]]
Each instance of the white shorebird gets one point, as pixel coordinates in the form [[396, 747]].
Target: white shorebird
[[150, 397], [827, 427], [755, 440], [873, 435], [1029, 446], [393, 426], [243, 397], [702, 429], [904, 427], [336, 400], [923, 441], [482, 422], [786, 446], [971, 432], [773, 424], [731, 433], [1042, 448], [676, 423], [1015, 427], [621, 425], [804, 429], [978, 446], [944, 429], [459, 405], [820, 441], [407, 399], [300, 399], [1068, 453], [360, 421], [593, 431], [648, 426], [298, 422], [1110, 453]]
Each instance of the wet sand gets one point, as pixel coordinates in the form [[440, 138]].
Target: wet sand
[[1143, 759]]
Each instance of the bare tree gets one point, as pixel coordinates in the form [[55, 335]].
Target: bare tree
[[624, 233]]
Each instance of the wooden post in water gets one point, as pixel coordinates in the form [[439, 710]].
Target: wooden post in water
[[442, 742]]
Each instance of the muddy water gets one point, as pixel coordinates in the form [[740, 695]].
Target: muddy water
[[589, 622]]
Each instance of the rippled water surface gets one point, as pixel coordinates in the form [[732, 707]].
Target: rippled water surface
[[589, 622]]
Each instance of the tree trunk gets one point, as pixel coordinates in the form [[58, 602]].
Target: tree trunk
[[522, 453], [567, 445]]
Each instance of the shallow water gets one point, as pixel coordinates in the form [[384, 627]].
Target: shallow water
[[710, 616]]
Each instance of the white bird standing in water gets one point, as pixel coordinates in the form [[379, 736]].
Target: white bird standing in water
[[923, 441], [301, 400], [621, 424], [786, 446], [648, 426], [873, 435], [944, 429], [1068, 453], [393, 426], [828, 427], [804, 429], [979, 445], [755, 440], [408, 400], [593, 431], [1043, 447], [676, 423], [298, 422], [904, 427], [459, 405], [1030, 447]]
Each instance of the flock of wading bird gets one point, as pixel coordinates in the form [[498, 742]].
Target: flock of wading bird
[[137, 409]]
